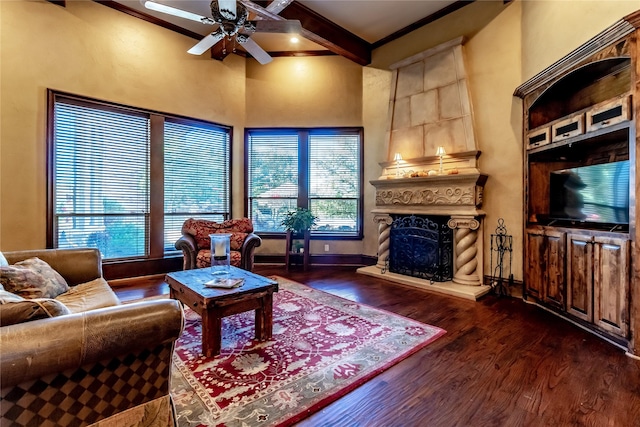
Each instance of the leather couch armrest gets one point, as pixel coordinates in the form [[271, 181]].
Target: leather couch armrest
[[247, 251], [187, 244], [34, 349]]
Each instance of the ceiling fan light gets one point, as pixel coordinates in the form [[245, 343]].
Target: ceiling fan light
[[158, 7]]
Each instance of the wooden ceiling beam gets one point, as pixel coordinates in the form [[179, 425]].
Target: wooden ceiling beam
[[320, 30], [219, 51]]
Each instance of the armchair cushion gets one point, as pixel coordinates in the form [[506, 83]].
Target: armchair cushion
[[203, 259], [33, 278]]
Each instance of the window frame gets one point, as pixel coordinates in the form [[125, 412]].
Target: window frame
[[304, 175], [155, 238]]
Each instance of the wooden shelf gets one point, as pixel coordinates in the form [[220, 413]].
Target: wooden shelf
[[291, 255]]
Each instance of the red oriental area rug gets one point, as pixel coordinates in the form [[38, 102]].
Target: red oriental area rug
[[323, 347]]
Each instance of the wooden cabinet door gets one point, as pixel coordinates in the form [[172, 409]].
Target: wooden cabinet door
[[580, 276], [535, 265], [611, 285], [554, 285]]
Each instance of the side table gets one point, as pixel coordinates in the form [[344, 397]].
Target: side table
[[291, 253]]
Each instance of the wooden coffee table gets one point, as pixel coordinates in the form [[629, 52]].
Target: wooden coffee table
[[256, 293]]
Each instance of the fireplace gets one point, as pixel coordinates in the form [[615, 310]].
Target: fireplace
[[421, 246], [430, 111]]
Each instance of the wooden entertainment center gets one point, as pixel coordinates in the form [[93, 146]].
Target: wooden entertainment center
[[580, 219]]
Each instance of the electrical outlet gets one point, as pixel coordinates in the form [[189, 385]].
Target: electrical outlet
[[326, 248]]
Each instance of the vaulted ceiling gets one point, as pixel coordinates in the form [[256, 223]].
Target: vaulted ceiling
[[351, 28]]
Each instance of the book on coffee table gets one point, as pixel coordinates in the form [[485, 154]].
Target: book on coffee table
[[226, 283]]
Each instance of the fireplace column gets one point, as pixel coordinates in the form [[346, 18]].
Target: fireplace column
[[384, 234], [468, 257]]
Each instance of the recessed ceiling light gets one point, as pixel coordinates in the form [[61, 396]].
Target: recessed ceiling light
[[294, 40]]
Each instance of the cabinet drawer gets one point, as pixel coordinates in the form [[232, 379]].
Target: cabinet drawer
[[567, 128], [538, 138], [609, 113]]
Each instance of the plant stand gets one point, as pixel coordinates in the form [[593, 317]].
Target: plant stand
[[291, 253]]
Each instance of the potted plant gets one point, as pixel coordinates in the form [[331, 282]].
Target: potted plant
[[299, 221]]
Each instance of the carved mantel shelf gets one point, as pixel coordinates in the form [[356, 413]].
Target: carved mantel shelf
[[456, 194]]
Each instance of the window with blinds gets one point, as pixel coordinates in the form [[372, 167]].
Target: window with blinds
[[101, 190], [335, 182], [196, 175], [316, 168], [103, 157], [272, 169]]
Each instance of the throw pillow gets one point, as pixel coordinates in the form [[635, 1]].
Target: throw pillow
[[15, 309], [3, 260], [33, 278]]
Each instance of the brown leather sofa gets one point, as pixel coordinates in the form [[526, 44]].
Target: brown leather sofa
[[102, 366]]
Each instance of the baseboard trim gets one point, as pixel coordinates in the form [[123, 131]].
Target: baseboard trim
[[114, 270], [335, 259]]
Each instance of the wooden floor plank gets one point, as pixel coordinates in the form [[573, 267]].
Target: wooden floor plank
[[502, 362]]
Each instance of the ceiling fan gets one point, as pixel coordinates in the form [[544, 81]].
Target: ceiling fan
[[232, 19]]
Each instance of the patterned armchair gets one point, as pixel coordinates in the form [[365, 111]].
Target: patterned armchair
[[195, 242]]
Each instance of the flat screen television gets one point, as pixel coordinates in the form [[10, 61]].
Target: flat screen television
[[596, 193]]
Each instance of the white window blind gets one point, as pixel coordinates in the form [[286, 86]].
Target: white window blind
[[123, 179], [316, 168], [334, 181], [196, 175], [101, 174], [272, 178]]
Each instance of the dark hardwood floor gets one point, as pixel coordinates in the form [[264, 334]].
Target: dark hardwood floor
[[502, 362]]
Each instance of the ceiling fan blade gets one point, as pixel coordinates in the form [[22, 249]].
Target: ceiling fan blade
[[206, 43], [278, 6], [268, 26], [228, 9], [256, 51], [159, 7], [261, 11]]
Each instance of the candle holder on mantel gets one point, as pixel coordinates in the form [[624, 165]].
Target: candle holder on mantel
[[440, 153], [220, 253]]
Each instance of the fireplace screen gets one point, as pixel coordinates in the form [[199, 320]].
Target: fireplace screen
[[421, 247]]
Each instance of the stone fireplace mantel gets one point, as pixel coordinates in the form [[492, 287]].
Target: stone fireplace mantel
[[432, 168], [458, 196]]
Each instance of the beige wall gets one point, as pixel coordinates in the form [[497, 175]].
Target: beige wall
[[306, 92], [312, 91], [551, 29], [92, 50], [89, 49]]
